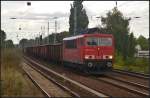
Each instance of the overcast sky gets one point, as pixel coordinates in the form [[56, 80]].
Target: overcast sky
[[31, 18]]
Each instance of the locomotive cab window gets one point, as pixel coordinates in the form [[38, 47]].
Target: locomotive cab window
[[105, 41], [97, 41], [92, 41], [71, 44]]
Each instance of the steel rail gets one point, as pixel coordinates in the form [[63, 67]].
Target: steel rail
[[74, 94], [143, 74], [130, 83], [36, 84], [67, 79], [124, 87], [135, 74]]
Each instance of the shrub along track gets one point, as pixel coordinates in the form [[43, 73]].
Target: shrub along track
[[100, 86]]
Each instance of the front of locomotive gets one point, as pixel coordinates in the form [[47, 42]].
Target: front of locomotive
[[98, 53]]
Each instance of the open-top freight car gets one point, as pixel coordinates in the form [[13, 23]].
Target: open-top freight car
[[46, 52]]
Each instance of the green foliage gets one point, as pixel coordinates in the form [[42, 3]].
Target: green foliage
[[2, 38], [115, 23], [131, 45], [132, 64], [14, 81], [47, 40], [139, 65], [5, 43], [23, 42], [119, 59], [143, 42], [61, 35], [9, 44], [81, 17]]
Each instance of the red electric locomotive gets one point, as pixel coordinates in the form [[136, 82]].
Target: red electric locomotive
[[90, 52]]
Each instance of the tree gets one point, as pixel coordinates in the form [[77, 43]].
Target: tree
[[131, 45], [61, 35], [115, 23], [23, 43], [2, 38], [81, 17], [143, 42], [9, 44], [29, 42]]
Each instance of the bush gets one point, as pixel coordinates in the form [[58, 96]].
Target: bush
[[119, 60], [132, 64], [14, 83]]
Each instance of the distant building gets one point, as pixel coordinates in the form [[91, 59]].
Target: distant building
[[138, 47], [142, 54]]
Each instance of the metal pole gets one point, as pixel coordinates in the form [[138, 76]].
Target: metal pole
[[40, 35], [39, 39], [34, 39], [75, 20], [55, 31], [48, 33], [43, 35]]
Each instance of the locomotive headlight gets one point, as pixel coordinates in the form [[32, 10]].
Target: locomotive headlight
[[110, 57], [89, 57], [86, 57]]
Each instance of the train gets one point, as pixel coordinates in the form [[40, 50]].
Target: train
[[89, 52]]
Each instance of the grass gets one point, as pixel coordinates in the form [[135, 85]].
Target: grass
[[140, 65], [14, 81]]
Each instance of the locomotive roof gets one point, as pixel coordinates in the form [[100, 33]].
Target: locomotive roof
[[85, 35], [73, 37]]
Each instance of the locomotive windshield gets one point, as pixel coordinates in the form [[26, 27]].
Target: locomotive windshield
[[97, 41]]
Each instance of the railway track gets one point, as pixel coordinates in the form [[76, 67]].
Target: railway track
[[108, 89], [140, 80], [37, 84], [81, 89], [137, 89], [48, 93], [134, 74], [129, 82]]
